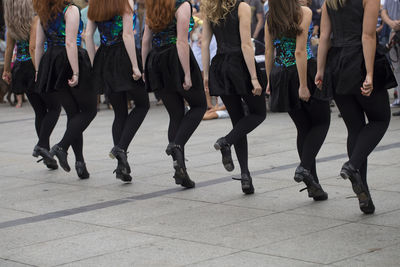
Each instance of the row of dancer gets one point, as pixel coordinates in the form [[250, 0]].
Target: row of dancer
[[168, 66]]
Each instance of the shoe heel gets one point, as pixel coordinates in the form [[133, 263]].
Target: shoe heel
[[344, 175], [217, 146], [298, 178], [111, 155]]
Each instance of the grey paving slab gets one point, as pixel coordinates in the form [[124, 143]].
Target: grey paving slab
[[164, 253], [10, 214], [251, 259], [331, 245], [9, 263]]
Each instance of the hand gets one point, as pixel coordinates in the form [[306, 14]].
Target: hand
[[143, 77], [268, 89], [257, 90], [188, 83], [319, 78], [368, 86], [7, 77], [304, 94], [206, 88], [395, 25], [74, 80], [136, 74]]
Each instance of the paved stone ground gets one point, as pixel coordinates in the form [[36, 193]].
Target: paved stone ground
[[50, 218]]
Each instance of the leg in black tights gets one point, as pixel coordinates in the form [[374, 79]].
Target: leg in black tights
[[312, 121], [47, 110], [126, 125], [242, 125], [364, 137], [80, 104]]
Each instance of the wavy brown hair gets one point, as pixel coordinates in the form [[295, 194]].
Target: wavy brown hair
[[284, 18], [215, 10], [18, 15], [102, 10], [335, 4], [48, 9], [159, 14]]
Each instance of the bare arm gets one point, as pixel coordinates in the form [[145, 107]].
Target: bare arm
[[7, 58], [183, 19], [301, 54], [71, 32], [205, 51], [32, 39], [269, 54], [39, 44], [129, 41], [89, 33], [324, 46], [260, 20], [247, 46], [371, 11]]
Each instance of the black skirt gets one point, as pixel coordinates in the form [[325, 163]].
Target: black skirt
[[345, 71], [164, 70], [112, 70], [55, 71], [284, 86], [23, 77], [229, 75]]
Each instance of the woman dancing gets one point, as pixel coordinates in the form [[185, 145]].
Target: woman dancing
[[171, 69], [65, 69], [350, 68], [288, 31], [116, 69], [234, 77], [21, 29]]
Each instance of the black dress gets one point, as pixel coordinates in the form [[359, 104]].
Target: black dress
[[23, 72], [54, 68], [229, 74], [112, 67], [345, 69], [163, 67]]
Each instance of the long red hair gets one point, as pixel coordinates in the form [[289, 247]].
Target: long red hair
[[159, 13], [102, 10], [48, 9]]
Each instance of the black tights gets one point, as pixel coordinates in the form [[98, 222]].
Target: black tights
[[242, 124], [80, 104], [364, 137], [47, 111], [126, 125], [181, 125], [312, 121]]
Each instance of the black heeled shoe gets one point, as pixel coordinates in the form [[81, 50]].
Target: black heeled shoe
[[247, 183], [226, 152], [81, 170], [122, 173], [47, 157], [364, 198], [181, 176], [122, 157], [62, 157], [314, 189]]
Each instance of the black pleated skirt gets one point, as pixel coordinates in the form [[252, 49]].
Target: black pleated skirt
[[23, 77], [112, 70], [164, 70], [55, 71]]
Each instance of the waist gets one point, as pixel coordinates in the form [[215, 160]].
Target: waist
[[111, 43]]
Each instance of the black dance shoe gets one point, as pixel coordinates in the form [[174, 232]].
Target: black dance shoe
[[364, 198], [47, 157], [81, 170], [122, 157], [62, 157], [225, 148], [314, 189], [247, 183], [181, 176], [122, 173]]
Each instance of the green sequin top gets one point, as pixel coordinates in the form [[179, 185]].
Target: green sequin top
[[169, 34], [286, 49], [111, 30], [23, 51]]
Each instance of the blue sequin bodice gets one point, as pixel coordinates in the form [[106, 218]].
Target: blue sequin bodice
[[169, 34], [111, 30], [55, 30], [286, 49], [23, 51]]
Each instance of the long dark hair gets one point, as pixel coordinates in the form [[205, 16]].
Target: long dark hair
[[284, 18]]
